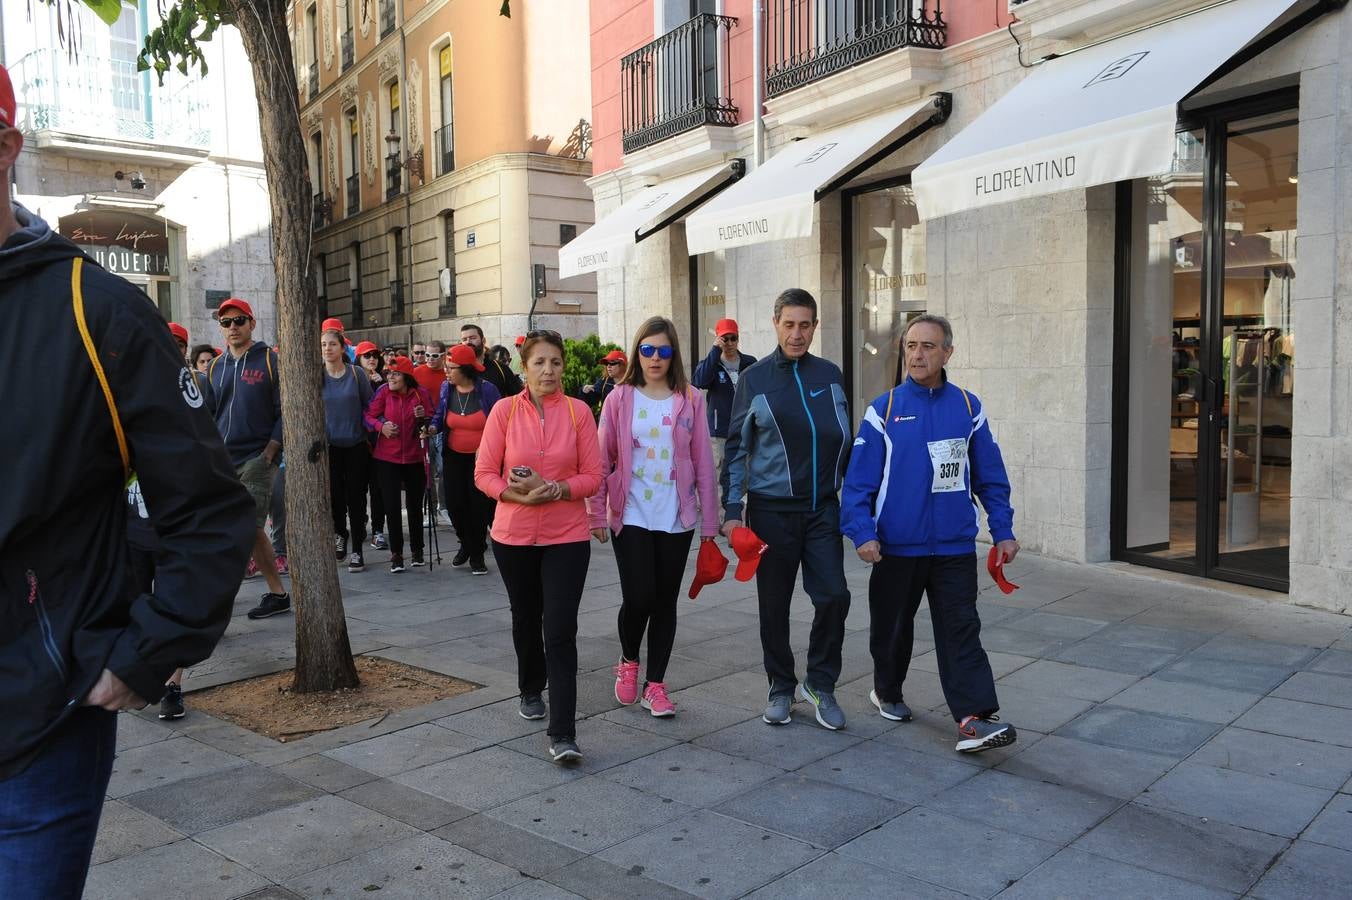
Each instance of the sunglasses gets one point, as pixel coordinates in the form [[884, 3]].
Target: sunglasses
[[419, 352], [429, 355], [647, 350], [236, 321], [372, 355], [730, 338], [614, 362]]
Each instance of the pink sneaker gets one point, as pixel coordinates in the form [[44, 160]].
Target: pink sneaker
[[626, 681], [283, 568], [655, 700], [251, 570]]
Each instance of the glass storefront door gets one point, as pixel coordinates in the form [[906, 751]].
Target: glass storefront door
[[1210, 354], [887, 285]]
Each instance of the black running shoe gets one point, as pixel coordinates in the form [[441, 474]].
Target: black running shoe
[[356, 563], [396, 564], [477, 566], [461, 557], [171, 704], [271, 605], [532, 707], [340, 546], [418, 559], [564, 750]]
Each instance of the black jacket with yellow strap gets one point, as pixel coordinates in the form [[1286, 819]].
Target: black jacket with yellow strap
[[68, 608]]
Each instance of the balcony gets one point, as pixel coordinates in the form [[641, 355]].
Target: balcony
[[353, 194], [806, 40], [313, 80], [323, 211], [386, 17], [99, 101], [396, 302], [444, 139], [346, 42], [677, 83]]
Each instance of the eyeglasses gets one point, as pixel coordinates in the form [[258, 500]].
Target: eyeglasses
[[647, 350], [236, 321]]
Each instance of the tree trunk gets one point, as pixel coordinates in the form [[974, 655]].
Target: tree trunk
[[323, 653]]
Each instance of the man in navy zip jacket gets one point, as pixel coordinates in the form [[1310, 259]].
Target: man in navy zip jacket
[[786, 451], [249, 415], [924, 451], [718, 374]]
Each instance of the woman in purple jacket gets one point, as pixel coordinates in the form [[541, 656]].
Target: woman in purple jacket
[[658, 483], [397, 414]]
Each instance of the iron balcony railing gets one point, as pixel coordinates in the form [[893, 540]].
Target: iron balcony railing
[[386, 17], [353, 194], [313, 80], [396, 302], [323, 209], [678, 82], [810, 39], [108, 99], [445, 146], [393, 176], [346, 43]]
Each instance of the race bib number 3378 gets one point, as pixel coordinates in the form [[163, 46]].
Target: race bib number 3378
[[949, 459]]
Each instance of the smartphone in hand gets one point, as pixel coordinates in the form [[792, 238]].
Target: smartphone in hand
[[521, 471]]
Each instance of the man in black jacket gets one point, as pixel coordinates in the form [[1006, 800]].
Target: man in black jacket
[[785, 458], [718, 373], [78, 641], [500, 376]]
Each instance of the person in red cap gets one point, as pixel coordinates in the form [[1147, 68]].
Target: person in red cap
[[659, 485], [199, 374], [372, 362], [717, 374], [346, 392], [397, 414], [923, 457], [463, 405], [81, 638], [249, 415], [429, 371], [335, 324], [787, 444], [613, 365]]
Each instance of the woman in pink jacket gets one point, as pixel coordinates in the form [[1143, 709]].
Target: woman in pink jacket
[[538, 458], [659, 483], [397, 414]]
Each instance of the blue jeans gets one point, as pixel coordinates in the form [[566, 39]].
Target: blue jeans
[[49, 813]]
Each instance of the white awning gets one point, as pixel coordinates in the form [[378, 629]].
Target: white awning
[[610, 242], [1094, 116], [776, 200]]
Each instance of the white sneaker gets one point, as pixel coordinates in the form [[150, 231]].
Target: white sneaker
[[445, 518]]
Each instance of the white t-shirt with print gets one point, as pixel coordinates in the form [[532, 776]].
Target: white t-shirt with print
[[652, 502]]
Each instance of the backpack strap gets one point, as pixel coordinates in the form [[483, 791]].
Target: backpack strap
[[77, 304], [267, 357], [888, 415], [966, 399]]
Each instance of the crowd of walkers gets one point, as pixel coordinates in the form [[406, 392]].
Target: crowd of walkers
[[130, 552]]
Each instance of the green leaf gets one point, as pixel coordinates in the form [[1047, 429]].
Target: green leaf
[[107, 10]]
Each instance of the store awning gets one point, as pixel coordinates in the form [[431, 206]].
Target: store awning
[[776, 200], [610, 242], [1094, 116]]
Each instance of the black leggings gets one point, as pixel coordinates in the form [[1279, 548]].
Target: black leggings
[[349, 475], [397, 478], [544, 586], [470, 509], [651, 565]]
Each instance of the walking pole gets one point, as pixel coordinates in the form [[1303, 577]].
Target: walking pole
[[430, 507]]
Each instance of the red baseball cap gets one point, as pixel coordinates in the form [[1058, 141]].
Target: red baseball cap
[[236, 303], [464, 355], [365, 347], [996, 568], [725, 326], [615, 356], [332, 325], [178, 331], [9, 113], [402, 365], [710, 566], [520, 339], [749, 549]]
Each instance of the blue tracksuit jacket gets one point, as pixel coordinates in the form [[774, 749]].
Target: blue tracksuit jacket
[[922, 459]]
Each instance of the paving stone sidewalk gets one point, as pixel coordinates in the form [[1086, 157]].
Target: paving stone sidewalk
[[1175, 740]]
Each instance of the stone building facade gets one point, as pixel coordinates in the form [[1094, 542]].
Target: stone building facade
[[1132, 340]]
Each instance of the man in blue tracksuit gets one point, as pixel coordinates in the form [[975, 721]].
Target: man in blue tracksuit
[[785, 455], [923, 453]]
